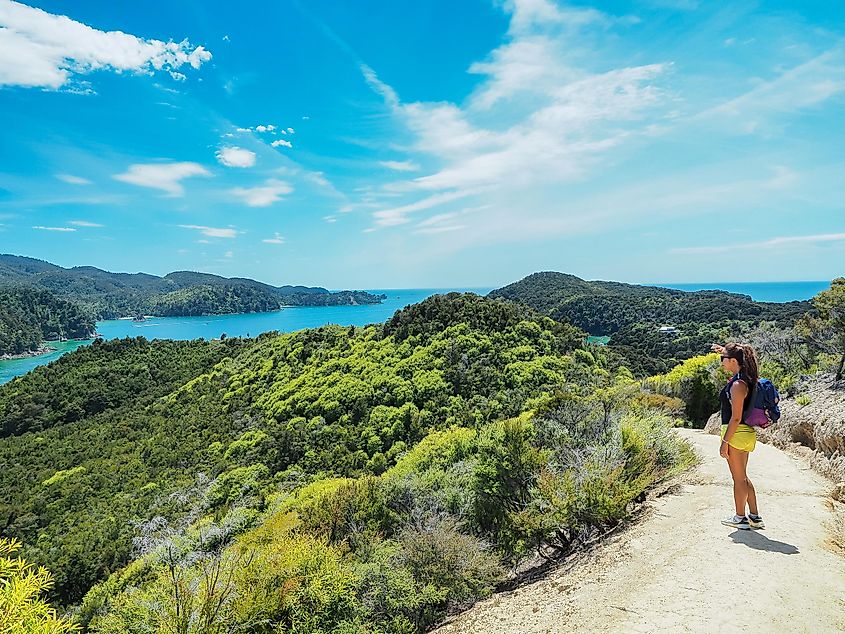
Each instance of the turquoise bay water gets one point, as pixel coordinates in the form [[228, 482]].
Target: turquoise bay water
[[285, 320], [290, 319]]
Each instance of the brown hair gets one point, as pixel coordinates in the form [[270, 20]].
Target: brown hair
[[747, 359]]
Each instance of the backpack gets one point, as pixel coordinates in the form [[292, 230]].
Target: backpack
[[764, 410]]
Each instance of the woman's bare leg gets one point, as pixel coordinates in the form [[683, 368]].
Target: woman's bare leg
[[736, 462], [752, 494]]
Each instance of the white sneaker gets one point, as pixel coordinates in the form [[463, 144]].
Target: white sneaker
[[737, 521]]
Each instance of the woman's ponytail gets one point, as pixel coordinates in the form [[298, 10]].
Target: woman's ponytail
[[747, 359], [751, 370]]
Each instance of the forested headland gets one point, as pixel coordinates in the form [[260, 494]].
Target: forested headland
[[29, 317], [632, 315], [343, 478], [105, 295]]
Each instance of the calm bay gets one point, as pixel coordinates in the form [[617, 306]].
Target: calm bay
[[297, 318]]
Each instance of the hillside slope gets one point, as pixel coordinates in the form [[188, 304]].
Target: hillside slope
[[680, 570]]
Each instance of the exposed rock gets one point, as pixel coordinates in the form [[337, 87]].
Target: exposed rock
[[814, 418], [714, 424]]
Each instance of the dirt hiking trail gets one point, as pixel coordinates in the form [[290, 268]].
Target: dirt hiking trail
[[678, 569]]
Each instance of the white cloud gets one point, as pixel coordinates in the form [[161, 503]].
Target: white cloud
[[39, 49], [330, 219], [244, 129], [235, 157], [400, 166], [264, 195], [276, 239], [771, 243], [290, 131], [398, 215], [213, 232], [539, 118], [61, 229], [229, 254], [164, 176], [84, 223], [279, 142], [73, 180]]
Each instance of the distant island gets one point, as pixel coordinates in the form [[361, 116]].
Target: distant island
[[45, 301]]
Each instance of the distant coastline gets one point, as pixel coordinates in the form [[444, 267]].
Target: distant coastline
[[8, 356]]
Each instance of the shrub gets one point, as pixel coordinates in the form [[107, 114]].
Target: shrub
[[21, 607]]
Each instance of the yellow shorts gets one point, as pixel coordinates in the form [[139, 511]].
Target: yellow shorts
[[744, 438]]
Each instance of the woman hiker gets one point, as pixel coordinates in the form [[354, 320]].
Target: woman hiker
[[739, 439]]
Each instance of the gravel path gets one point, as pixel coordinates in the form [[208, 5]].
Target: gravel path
[[679, 570]]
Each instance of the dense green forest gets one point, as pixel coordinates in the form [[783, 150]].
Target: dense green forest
[[29, 316], [632, 315], [402, 464], [339, 479], [106, 295]]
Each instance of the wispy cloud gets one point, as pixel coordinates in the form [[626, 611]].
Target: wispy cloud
[[39, 49], [164, 176], [771, 243], [400, 166], [73, 180], [84, 223], [560, 118], [399, 215], [60, 229], [213, 232], [235, 157], [803, 86], [281, 142], [276, 239], [263, 195]]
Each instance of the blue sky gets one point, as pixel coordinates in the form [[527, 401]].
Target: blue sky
[[385, 144]]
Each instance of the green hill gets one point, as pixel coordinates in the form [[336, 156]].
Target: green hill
[[632, 315], [108, 295], [111, 433]]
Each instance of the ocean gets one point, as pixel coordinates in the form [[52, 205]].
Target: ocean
[[297, 318]]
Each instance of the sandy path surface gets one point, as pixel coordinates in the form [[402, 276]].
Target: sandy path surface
[[680, 570]]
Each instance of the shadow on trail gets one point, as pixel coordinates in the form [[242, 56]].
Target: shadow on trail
[[758, 541]]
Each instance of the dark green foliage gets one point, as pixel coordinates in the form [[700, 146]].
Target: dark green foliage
[[108, 295], [29, 316], [101, 377], [205, 300], [632, 315]]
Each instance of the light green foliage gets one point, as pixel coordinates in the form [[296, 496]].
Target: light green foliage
[[22, 609], [803, 400], [61, 476], [236, 483], [249, 443], [696, 382]]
